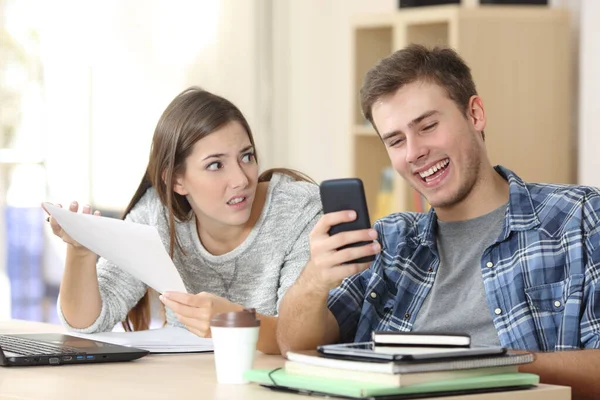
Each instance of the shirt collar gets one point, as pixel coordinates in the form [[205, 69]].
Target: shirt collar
[[521, 214]]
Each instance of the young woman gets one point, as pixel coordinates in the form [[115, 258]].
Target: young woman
[[237, 239]]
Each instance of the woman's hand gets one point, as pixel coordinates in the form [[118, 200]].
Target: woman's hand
[[196, 310], [58, 231]]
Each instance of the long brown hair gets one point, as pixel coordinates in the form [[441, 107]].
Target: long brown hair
[[191, 116]]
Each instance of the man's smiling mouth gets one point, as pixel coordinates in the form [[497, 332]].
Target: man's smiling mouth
[[435, 171]]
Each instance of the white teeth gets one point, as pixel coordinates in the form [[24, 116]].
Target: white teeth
[[236, 200], [434, 169]]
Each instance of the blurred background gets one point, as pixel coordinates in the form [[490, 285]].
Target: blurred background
[[83, 83]]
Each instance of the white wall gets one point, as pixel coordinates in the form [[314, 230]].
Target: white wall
[[111, 67], [312, 95], [589, 99]]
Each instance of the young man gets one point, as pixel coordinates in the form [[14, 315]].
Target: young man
[[510, 263]]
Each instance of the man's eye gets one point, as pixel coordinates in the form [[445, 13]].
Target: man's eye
[[396, 142], [430, 127]]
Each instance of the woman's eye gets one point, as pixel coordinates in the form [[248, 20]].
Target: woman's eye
[[214, 166], [248, 157]]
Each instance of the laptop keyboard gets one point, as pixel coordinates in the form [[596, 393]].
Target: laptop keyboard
[[28, 347]]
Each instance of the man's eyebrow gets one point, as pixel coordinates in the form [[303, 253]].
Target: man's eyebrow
[[412, 123], [388, 135], [421, 117]]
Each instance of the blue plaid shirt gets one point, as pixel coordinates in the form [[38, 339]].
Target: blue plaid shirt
[[541, 276]]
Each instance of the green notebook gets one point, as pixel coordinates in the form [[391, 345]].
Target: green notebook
[[366, 389]]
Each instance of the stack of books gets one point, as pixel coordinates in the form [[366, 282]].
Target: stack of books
[[399, 364]]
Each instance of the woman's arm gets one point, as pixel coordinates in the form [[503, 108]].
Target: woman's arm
[[94, 295], [267, 342], [79, 297]]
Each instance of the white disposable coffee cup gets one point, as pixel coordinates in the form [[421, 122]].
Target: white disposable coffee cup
[[234, 335]]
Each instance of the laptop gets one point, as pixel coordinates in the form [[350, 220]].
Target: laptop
[[58, 349]]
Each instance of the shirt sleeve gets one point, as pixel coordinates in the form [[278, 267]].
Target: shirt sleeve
[[345, 302], [590, 319], [299, 254]]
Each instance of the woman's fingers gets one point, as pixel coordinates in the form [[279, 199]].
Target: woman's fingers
[[185, 310], [200, 327]]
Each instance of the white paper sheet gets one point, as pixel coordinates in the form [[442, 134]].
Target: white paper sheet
[[164, 340], [136, 248]]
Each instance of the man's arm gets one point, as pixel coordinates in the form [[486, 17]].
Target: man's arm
[[305, 322], [304, 319], [579, 369]]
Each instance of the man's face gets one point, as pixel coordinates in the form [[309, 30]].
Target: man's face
[[430, 142]]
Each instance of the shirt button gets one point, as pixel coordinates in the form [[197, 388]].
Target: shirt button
[[497, 311], [373, 295], [557, 303], [489, 264], [430, 269], [406, 316]]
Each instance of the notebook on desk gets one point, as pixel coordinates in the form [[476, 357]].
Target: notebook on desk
[[279, 379], [57, 349]]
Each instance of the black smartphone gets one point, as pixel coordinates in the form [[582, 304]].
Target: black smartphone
[[347, 194]]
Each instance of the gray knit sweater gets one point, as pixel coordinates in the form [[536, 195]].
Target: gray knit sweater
[[255, 274]]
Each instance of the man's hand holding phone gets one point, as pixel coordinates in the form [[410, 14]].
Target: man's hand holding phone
[[328, 266], [342, 243]]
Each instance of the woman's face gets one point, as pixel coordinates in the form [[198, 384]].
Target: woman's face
[[220, 179]]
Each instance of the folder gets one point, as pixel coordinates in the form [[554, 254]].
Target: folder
[[280, 380]]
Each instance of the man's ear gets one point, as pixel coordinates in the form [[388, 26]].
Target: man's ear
[[177, 183], [476, 113]]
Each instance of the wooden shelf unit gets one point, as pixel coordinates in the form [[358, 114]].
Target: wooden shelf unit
[[520, 61]]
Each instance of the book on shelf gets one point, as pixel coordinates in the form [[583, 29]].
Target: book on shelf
[[420, 339], [298, 368], [312, 357]]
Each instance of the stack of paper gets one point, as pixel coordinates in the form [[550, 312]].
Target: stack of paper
[[164, 340]]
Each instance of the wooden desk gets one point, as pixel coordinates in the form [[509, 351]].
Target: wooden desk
[[179, 377]]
